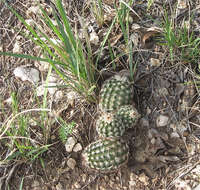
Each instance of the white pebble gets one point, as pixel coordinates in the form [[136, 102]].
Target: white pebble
[[174, 135], [30, 22], [94, 38], [155, 62], [58, 95], [27, 74], [77, 147], [182, 4], [71, 163], [16, 48], [69, 145], [162, 120]]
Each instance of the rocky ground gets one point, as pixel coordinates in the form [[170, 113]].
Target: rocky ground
[[165, 144]]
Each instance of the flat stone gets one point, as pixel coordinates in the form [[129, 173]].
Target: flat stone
[[78, 147], [59, 186], [94, 38], [71, 163], [27, 74], [155, 62], [162, 120], [69, 145]]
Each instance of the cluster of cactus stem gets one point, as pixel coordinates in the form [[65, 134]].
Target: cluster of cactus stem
[[110, 151]]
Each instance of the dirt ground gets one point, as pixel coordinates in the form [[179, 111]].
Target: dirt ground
[[164, 145]]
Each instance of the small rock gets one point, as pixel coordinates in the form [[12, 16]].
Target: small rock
[[77, 147], [174, 135], [135, 26], [58, 95], [77, 185], [182, 4], [59, 186], [84, 177], [30, 22], [153, 140], [144, 179], [40, 90], [94, 38], [8, 101], [71, 163], [162, 120], [16, 48], [69, 145], [130, 19], [148, 110], [27, 74], [71, 96], [155, 62]]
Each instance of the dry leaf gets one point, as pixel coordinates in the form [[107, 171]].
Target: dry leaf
[[155, 62], [115, 39], [148, 34]]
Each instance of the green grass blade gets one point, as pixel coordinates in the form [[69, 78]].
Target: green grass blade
[[65, 22], [105, 40]]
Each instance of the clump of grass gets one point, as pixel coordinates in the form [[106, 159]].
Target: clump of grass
[[18, 137], [123, 13], [64, 52], [97, 10], [181, 40], [65, 129]]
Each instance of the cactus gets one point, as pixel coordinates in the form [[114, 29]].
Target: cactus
[[115, 93], [108, 125], [129, 115], [106, 155]]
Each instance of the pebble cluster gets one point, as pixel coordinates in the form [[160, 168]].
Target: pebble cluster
[[117, 114]]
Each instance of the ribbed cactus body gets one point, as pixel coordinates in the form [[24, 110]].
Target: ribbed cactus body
[[108, 125], [129, 116], [115, 93], [106, 154]]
